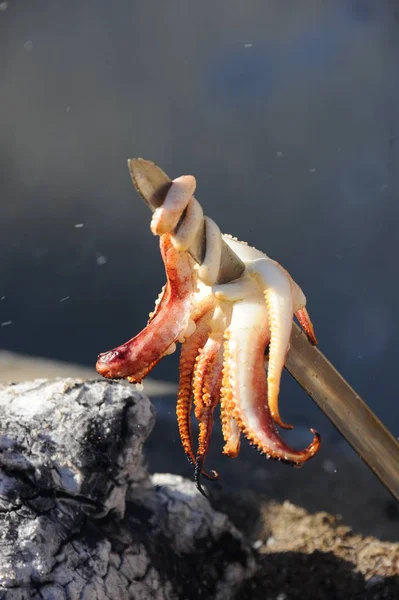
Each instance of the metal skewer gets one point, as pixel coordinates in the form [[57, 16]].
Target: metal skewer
[[317, 376]]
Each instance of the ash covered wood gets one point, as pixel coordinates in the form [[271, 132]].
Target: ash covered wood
[[81, 519]]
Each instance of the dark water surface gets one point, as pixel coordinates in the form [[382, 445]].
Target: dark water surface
[[286, 112]]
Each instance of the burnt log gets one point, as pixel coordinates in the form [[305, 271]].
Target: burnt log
[[80, 517]]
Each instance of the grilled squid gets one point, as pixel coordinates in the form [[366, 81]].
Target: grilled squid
[[224, 331]]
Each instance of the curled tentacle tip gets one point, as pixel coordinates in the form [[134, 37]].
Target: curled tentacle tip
[[212, 475], [316, 434], [306, 324], [197, 480], [312, 338], [311, 450], [198, 471], [315, 444], [282, 424]]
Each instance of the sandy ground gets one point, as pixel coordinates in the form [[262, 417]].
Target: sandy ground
[[316, 557]]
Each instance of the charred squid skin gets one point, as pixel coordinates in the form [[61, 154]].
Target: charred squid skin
[[138, 356]]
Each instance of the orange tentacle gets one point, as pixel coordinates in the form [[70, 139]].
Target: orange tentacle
[[206, 390], [304, 321], [188, 358], [230, 430]]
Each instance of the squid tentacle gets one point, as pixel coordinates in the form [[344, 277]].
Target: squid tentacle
[[138, 356], [276, 286], [306, 324], [224, 331], [206, 390], [230, 429], [188, 358], [245, 382]]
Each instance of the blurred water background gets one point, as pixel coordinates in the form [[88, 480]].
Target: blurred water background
[[286, 112]]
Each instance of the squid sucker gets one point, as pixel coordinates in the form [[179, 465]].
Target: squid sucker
[[224, 330]]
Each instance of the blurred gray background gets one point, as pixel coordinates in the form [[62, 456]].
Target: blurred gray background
[[286, 112]]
